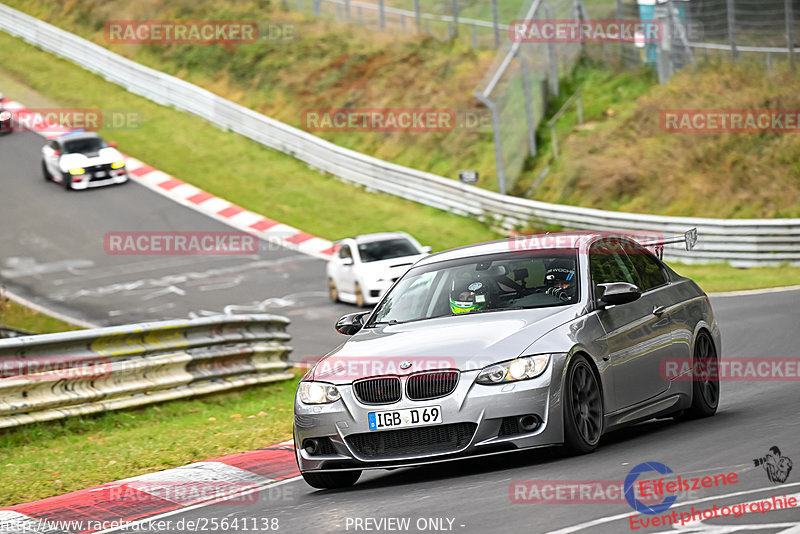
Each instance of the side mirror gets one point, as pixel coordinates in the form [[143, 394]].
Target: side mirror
[[351, 323], [617, 293], [426, 250], [347, 261]]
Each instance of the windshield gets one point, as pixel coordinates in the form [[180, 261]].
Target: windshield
[[386, 250], [482, 284], [84, 146]]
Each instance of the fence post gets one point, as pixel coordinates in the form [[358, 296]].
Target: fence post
[[381, 15], [526, 87], [474, 36], [498, 146], [621, 42], [552, 61], [790, 33], [316, 7], [418, 15], [455, 18], [360, 15], [732, 29], [495, 23], [347, 9]]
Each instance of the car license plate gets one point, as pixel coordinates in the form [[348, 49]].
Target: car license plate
[[99, 174], [426, 415]]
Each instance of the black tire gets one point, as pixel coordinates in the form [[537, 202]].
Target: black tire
[[583, 408], [67, 182], [333, 292], [705, 387], [336, 480], [46, 173], [359, 296]]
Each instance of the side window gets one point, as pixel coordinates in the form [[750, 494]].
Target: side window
[[344, 252], [608, 263], [648, 269]]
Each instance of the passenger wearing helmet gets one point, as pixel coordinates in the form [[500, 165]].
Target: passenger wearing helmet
[[468, 296], [560, 280]]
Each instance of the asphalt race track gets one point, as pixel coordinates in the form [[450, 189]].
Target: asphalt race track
[[53, 254], [52, 243]]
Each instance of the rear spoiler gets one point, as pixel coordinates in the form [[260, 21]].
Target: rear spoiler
[[689, 238]]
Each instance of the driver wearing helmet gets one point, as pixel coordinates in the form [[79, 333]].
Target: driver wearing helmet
[[468, 296], [560, 280]]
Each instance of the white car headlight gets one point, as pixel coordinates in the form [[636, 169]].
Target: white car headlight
[[317, 393], [514, 370]]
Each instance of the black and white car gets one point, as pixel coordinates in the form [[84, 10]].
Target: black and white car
[[82, 160]]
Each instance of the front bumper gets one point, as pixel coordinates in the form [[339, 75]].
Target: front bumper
[[89, 180], [478, 410]]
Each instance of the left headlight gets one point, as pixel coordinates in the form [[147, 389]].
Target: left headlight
[[317, 393], [514, 370], [117, 164]]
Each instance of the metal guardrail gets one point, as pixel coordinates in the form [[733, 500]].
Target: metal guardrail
[[742, 242], [52, 376]]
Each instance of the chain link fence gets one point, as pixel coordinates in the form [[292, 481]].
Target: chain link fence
[[481, 23]]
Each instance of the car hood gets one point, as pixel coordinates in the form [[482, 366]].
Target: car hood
[[102, 157], [393, 268], [462, 342]]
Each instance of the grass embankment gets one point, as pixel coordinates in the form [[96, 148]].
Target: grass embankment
[[46, 459], [622, 160]]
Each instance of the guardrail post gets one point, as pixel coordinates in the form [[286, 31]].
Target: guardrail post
[[474, 36], [790, 34], [418, 15], [381, 15], [495, 23], [498, 145], [317, 7], [732, 29], [360, 15], [347, 9]]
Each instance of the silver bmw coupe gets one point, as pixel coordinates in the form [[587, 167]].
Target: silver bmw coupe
[[538, 341]]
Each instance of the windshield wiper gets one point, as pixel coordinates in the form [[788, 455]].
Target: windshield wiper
[[390, 323]]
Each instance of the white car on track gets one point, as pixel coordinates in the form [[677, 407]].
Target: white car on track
[[82, 160], [362, 268]]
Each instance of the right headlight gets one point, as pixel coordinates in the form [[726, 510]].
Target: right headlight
[[514, 370], [317, 393]]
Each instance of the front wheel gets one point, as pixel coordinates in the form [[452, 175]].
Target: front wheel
[[583, 408], [46, 173], [359, 296], [68, 182], [341, 479]]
